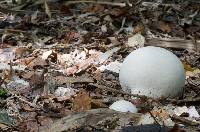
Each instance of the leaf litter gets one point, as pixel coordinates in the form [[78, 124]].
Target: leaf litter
[[62, 59]]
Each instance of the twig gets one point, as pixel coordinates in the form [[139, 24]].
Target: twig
[[186, 121], [13, 31], [23, 100], [97, 2], [154, 118], [5, 11]]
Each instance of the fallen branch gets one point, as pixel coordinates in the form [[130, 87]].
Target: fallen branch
[[173, 43], [186, 121], [105, 119]]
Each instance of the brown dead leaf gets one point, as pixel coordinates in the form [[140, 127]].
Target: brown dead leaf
[[22, 51], [25, 61], [188, 67], [139, 28], [97, 103], [65, 9], [117, 12], [165, 27], [37, 62], [176, 128], [27, 75], [65, 80], [36, 79], [164, 115], [8, 74], [96, 9], [30, 125], [82, 101], [69, 37], [27, 107], [63, 98]]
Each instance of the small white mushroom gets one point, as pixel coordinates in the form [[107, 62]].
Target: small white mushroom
[[123, 106]]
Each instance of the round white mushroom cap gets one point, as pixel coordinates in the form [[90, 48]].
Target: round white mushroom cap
[[153, 72], [123, 106]]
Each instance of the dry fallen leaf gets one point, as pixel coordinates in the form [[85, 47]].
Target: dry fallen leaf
[[164, 115], [22, 51], [96, 9], [98, 103], [176, 128], [82, 101], [139, 28], [165, 27], [43, 120], [29, 125], [190, 71], [47, 10], [37, 62], [36, 79]]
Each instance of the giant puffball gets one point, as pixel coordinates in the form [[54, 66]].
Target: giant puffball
[[153, 72]]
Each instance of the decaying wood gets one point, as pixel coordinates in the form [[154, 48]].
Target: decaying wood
[[96, 118], [173, 43]]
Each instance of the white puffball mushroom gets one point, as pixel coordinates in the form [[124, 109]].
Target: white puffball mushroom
[[123, 106], [153, 72]]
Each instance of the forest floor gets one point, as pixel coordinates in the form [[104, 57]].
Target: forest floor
[[60, 62]]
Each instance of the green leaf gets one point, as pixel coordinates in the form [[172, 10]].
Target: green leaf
[[3, 92]]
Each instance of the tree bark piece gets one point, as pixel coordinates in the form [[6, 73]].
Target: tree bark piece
[[174, 43], [104, 119]]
